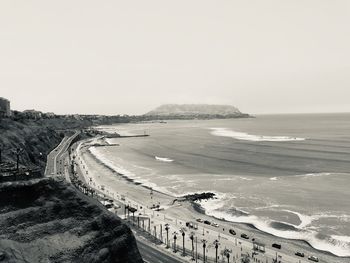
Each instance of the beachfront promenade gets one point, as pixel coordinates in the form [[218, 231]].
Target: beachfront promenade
[[173, 237]]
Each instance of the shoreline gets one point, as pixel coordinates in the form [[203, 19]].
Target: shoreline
[[192, 210], [126, 178]]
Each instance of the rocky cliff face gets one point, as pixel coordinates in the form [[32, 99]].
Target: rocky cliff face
[[195, 110], [45, 220], [36, 138]]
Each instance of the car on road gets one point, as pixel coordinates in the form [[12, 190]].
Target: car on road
[[199, 220], [275, 245], [245, 236], [215, 224], [232, 232], [108, 206], [189, 224], [206, 222], [313, 258], [299, 254]]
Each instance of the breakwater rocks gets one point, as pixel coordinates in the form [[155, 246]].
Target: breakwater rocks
[[195, 197]]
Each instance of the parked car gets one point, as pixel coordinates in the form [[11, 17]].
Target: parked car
[[275, 245], [313, 258], [245, 236], [300, 254], [199, 220], [232, 232], [108, 206], [215, 224], [207, 222]]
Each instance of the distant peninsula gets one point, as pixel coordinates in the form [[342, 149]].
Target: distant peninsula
[[196, 111]]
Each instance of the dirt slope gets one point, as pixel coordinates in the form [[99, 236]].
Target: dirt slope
[[45, 220]]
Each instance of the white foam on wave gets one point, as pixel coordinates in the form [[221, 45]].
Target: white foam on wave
[[225, 132], [273, 178], [163, 159], [338, 245], [305, 220], [310, 175], [245, 178]]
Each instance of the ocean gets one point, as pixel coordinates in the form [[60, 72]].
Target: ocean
[[288, 175]]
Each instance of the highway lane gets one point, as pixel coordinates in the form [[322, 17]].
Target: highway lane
[[57, 160], [50, 162], [153, 255]]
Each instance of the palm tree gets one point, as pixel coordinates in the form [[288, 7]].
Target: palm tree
[[216, 243], [183, 241], [204, 245], [175, 237], [192, 239], [167, 235], [227, 254]]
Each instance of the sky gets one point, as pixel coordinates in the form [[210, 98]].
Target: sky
[[128, 57]]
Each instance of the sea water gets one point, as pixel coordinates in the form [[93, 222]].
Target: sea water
[[286, 174]]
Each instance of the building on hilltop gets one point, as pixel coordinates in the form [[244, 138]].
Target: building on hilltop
[[49, 115], [5, 109], [32, 114]]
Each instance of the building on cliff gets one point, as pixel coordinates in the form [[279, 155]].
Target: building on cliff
[[32, 114], [5, 109]]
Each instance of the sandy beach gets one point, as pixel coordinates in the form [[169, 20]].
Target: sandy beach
[[116, 184]]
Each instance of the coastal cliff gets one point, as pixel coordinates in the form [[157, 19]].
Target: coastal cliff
[[45, 220], [36, 138]]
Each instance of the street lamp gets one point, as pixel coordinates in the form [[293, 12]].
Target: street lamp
[[204, 245], [175, 237], [167, 235], [216, 243]]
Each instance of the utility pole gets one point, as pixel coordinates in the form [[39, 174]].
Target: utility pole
[[18, 152]]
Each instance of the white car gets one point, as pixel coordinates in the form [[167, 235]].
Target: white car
[[215, 224], [313, 258]]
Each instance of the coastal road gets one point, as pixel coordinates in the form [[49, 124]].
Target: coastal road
[[56, 160], [153, 255]]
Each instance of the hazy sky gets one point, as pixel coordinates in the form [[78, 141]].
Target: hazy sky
[[129, 56]]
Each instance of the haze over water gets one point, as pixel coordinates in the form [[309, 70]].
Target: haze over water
[[286, 174]]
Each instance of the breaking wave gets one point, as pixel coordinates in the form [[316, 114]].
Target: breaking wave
[[163, 159], [337, 245], [224, 132]]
